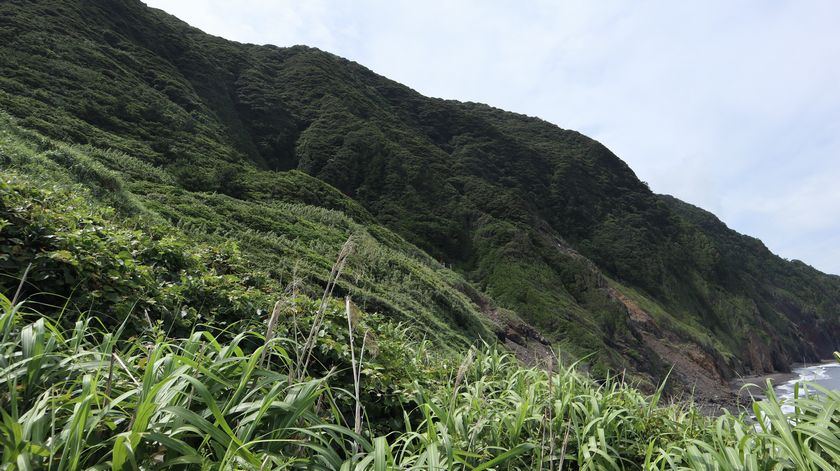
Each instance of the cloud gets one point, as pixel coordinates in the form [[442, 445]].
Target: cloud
[[732, 106]]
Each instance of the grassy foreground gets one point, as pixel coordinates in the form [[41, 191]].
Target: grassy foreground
[[81, 397]]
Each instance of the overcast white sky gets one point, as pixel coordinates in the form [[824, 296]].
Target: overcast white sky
[[732, 106]]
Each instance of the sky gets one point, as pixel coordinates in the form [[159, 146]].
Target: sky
[[731, 106]]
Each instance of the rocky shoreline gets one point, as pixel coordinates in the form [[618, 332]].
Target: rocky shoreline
[[756, 386], [744, 390], [737, 395]]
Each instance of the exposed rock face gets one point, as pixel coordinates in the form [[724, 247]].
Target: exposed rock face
[[693, 366], [525, 341], [819, 338]]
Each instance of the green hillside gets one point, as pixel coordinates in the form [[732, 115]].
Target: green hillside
[[468, 222], [151, 253]]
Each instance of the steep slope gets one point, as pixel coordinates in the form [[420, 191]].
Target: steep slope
[[549, 224], [116, 264], [793, 305]]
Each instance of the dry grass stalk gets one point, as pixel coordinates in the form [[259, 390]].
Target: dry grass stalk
[[462, 372], [20, 286], [309, 344], [126, 369], [352, 321], [565, 443], [269, 331], [551, 412], [289, 298], [110, 376]]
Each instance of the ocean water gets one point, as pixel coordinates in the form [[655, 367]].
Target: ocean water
[[826, 375]]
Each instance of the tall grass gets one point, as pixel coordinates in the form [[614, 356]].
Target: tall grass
[[83, 397], [73, 400]]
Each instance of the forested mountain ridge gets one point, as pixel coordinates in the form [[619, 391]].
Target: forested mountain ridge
[[537, 222]]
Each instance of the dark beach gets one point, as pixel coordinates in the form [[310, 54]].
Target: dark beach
[[748, 388]]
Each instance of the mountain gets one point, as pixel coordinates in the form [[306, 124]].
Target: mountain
[[473, 222]]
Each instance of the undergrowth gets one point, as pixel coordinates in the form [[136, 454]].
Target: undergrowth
[[86, 397]]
